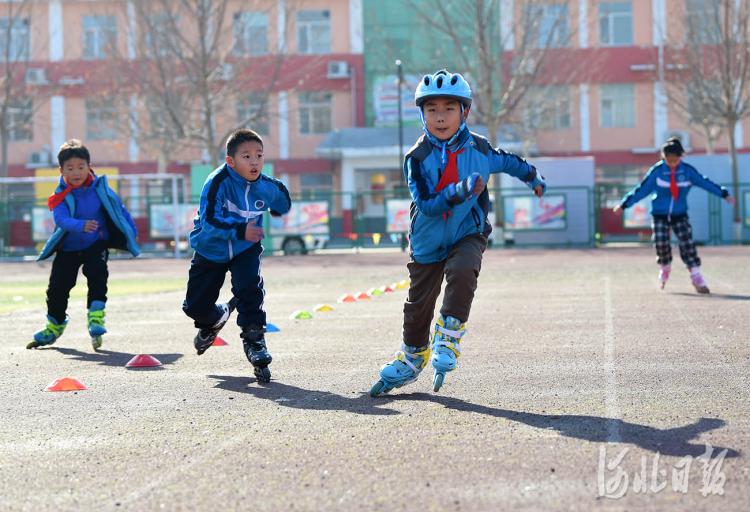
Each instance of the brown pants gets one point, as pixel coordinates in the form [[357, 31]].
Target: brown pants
[[461, 269]]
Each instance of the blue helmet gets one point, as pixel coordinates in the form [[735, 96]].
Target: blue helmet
[[445, 85]]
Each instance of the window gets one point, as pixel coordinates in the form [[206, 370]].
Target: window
[[549, 25], [14, 39], [252, 110], [550, 108], [701, 24], [101, 119], [616, 23], [158, 36], [20, 115], [617, 106], [314, 113], [314, 32], [99, 36], [250, 33]]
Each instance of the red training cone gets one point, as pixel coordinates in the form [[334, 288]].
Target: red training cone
[[143, 361], [219, 342], [363, 295], [65, 384]]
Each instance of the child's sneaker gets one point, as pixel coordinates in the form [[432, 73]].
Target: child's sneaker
[[446, 347], [49, 334], [206, 336], [404, 369], [96, 323], [698, 282], [664, 275]]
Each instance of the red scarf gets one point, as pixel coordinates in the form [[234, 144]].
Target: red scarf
[[673, 188], [450, 175], [58, 197]]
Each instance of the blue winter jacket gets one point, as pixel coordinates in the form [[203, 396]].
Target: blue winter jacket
[[228, 204], [120, 229], [436, 224], [657, 182]]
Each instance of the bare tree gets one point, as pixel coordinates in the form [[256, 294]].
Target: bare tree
[[16, 107], [710, 82], [511, 88], [193, 72]]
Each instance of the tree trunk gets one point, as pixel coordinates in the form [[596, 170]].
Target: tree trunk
[[735, 181]]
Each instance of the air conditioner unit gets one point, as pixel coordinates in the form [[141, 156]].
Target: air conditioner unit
[[39, 158], [683, 135], [36, 76], [338, 69]]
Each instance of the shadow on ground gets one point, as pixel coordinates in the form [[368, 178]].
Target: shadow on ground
[[300, 398], [712, 295], [112, 358], [670, 441]]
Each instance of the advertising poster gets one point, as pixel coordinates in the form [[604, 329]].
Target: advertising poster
[[397, 215], [528, 212], [305, 217]]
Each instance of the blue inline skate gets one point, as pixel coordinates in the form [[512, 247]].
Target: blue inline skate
[[446, 348], [405, 368], [254, 342], [96, 323], [49, 334]]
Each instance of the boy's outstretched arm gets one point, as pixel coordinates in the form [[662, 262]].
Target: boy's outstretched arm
[[514, 165], [281, 203], [644, 188]]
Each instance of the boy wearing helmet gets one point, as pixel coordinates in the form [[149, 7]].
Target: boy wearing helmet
[[670, 180], [447, 171]]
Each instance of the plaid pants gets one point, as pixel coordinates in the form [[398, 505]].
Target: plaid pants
[[684, 233]]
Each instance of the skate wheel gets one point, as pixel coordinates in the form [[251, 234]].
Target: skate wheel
[[379, 388], [437, 381], [33, 344], [263, 374], [96, 342]]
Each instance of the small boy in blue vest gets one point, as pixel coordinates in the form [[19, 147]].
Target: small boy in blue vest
[[90, 219], [446, 171], [227, 238], [670, 180]]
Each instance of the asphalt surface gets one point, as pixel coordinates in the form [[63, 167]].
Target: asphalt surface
[[581, 386]]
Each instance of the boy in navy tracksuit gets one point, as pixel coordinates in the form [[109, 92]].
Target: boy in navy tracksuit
[[670, 180], [89, 219], [226, 237], [446, 171]]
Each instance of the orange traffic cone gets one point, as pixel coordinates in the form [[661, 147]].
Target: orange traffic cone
[[143, 361], [65, 384]]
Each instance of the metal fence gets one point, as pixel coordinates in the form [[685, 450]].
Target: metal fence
[[163, 209]]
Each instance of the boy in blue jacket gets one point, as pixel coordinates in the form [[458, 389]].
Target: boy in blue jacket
[[670, 180], [226, 237], [446, 171], [90, 219]]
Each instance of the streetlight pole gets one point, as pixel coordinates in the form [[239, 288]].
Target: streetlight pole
[[400, 74]]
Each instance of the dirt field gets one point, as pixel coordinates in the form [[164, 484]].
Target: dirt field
[[581, 385]]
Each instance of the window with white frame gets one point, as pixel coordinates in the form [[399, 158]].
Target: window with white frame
[[700, 21], [548, 25], [99, 36], [616, 23], [617, 108], [19, 119], [314, 113], [101, 118], [250, 31], [314, 32], [549, 108], [252, 110], [15, 39]]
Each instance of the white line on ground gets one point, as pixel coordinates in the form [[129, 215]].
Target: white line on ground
[[612, 405]]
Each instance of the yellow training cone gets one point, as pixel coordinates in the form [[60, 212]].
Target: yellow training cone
[[323, 307]]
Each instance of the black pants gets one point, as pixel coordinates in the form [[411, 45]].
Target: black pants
[[684, 233], [206, 278], [461, 271], [64, 274]]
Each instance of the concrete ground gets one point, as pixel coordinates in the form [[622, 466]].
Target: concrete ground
[[581, 386]]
